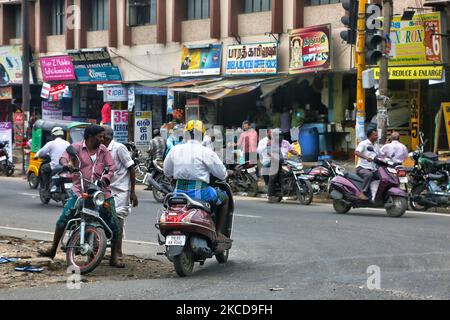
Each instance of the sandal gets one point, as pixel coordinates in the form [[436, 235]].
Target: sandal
[[7, 260], [29, 269]]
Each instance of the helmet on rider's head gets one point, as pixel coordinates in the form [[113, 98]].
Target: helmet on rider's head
[[57, 131], [195, 125], [156, 132]]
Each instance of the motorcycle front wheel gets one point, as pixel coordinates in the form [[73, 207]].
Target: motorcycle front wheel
[[341, 206], [33, 181], [86, 261], [141, 170], [44, 199], [306, 195], [416, 192], [184, 263], [399, 207], [158, 195]]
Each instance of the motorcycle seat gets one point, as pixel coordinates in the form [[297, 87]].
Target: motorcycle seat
[[354, 177], [431, 156], [432, 176], [202, 205]]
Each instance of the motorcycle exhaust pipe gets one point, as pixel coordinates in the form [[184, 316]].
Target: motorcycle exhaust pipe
[[152, 182]]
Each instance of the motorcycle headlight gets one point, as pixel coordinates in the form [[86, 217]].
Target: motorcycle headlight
[[98, 198]]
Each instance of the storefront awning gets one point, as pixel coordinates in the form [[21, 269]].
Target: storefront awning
[[160, 87]]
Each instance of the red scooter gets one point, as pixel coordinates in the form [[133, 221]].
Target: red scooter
[[188, 227]]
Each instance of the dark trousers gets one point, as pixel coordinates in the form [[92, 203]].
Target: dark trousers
[[271, 192], [367, 176], [45, 175]]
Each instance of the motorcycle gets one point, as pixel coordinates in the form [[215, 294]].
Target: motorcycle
[[188, 228], [321, 175], [346, 190], [58, 189], [87, 233], [244, 179], [6, 166], [140, 164], [294, 182], [160, 184]]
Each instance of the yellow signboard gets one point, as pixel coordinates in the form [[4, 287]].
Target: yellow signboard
[[416, 41], [446, 108], [413, 73]]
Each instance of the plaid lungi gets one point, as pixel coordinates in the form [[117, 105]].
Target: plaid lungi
[[199, 190]]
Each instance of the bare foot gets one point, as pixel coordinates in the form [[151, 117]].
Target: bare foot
[[116, 263], [46, 253]]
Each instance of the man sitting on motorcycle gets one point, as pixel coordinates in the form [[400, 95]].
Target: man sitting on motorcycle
[[192, 164], [365, 167], [94, 156], [278, 150], [54, 149]]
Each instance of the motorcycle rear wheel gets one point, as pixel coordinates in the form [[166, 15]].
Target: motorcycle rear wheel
[[9, 172], [305, 198], [184, 263], [415, 193], [399, 208], [98, 243], [33, 181], [158, 195]]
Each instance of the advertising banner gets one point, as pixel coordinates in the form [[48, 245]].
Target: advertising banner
[[201, 61], [116, 93], [417, 41], [142, 129], [57, 68], [120, 125], [6, 135], [310, 49], [18, 118], [104, 74], [259, 58], [11, 65], [51, 111], [413, 73]]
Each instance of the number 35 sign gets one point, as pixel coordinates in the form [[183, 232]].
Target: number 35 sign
[[120, 125]]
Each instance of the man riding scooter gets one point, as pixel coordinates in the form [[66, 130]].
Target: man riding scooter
[[55, 150], [192, 164], [366, 151]]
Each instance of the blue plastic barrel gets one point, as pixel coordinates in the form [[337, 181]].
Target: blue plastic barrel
[[309, 142]]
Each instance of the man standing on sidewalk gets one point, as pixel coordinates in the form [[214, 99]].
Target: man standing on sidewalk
[[123, 183], [248, 141]]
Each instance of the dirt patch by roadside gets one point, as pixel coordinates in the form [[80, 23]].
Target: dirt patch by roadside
[[136, 268]]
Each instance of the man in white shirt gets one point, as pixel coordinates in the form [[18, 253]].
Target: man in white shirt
[[123, 183], [395, 150], [366, 168], [54, 149], [191, 164]]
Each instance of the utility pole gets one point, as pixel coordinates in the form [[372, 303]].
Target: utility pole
[[26, 57], [382, 96]]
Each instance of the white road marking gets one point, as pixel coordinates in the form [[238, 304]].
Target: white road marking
[[246, 216], [51, 233], [29, 194]]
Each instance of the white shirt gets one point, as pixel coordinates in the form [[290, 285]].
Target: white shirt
[[395, 150], [262, 150], [362, 147], [55, 149], [192, 161], [122, 158]]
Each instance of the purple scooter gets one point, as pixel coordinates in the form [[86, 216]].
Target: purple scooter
[[346, 191]]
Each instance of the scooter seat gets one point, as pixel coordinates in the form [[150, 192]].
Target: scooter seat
[[354, 177], [202, 205]]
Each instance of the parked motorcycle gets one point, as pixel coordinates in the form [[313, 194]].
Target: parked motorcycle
[[6, 166], [188, 228], [346, 190], [294, 182], [140, 163], [161, 185], [244, 179], [88, 234], [321, 175]]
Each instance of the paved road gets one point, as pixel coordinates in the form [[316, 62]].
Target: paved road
[[309, 252]]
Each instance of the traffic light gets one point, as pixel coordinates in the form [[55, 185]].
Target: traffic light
[[350, 20], [373, 50]]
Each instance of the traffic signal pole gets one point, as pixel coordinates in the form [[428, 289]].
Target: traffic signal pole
[[361, 65]]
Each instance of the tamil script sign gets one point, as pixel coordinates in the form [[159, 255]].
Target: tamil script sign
[[310, 49], [417, 41], [120, 125], [260, 58], [58, 68], [205, 61], [142, 129]]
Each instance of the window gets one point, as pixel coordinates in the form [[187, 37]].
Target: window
[[197, 9], [58, 17], [257, 5], [319, 2], [99, 15], [141, 12], [17, 21]]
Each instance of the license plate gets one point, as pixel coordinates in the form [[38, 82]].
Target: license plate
[[91, 212], [68, 185], [175, 240], [3, 158], [403, 179], [251, 170]]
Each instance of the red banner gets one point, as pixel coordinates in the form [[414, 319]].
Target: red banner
[[18, 128]]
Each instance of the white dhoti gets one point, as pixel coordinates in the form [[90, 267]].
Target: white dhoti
[[122, 200]]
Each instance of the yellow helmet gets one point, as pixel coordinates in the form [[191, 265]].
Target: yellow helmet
[[195, 125]]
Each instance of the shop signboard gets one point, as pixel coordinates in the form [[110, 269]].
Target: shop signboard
[[103, 74], [51, 111], [203, 61], [131, 98], [57, 68], [413, 73], [310, 49], [6, 135], [142, 129], [11, 65], [119, 120], [249, 59], [18, 118], [5, 93], [417, 41], [115, 94]]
